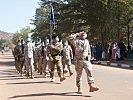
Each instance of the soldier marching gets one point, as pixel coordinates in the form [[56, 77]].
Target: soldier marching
[[67, 56], [82, 60], [46, 56]]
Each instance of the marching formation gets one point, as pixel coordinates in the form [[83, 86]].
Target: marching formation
[[47, 56]]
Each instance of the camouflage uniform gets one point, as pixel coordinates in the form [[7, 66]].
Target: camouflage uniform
[[54, 53], [82, 60], [67, 55], [45, 59], [23, 57], [28, 51], [19, 57], [36, 57], [40, 61]]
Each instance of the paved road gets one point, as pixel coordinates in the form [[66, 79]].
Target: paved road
[[114, 83]]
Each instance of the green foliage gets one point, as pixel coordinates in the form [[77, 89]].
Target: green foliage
[[104, 20], [2, 43], [21, 34]]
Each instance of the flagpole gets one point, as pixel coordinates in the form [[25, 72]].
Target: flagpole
[[52, 20], [50, 24]]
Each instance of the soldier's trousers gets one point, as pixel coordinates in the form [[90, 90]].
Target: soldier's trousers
[[79, 66], [22, 63], [40, 65], [58, 64], [29, 66], [46, 63], [36, 64], [68, 63], [17, 65]]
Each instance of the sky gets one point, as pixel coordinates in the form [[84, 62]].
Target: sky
[[16, 14]]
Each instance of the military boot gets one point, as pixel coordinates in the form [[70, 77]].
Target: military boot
[[52, 80], [93, 87], [70, 73], [79, 90], [31, 75], [62, 79], [45, 74], [27, 75]]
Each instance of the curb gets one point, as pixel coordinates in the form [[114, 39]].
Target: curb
[[112, 64]]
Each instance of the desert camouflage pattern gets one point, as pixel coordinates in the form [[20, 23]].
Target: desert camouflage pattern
[[19, 58], [28, 52], [67, 55], [82, 59], [54, 53], [37, 55]]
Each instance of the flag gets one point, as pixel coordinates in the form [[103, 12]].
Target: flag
[[52, 20]]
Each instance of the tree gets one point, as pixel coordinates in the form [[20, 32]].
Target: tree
[[2, 43], [105, 20], [21, 34]]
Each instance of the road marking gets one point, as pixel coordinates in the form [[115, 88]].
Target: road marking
[[104, 63], [125, 65], [113, 64]]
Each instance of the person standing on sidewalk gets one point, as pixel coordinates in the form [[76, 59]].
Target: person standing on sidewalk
[[114, 52], [82, 60]]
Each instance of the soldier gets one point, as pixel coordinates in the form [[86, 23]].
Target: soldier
[[67, 55], [82, 60], [28, 51], [37, 55], [54, 53], [16, 53], [21, 57], [45, 57], [40, 55]]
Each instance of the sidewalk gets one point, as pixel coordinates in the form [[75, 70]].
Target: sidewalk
[[126, 63]]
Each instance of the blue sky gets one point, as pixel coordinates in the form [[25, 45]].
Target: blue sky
[[16, 14]]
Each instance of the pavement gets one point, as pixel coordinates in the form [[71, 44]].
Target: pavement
[[126, 63], [114, 84]]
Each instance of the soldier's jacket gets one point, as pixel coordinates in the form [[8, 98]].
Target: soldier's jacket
[[82, 48], [54, 50], [18, 53], [29, 49], [67, 52], [37, 52], [44, 53]]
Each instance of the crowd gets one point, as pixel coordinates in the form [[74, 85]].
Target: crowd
[[114, 51], [46, 56]]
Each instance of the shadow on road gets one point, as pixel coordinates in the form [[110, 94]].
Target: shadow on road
[[8, 63], [7, 72], [36, 82], [11, 78], [51, 94]]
